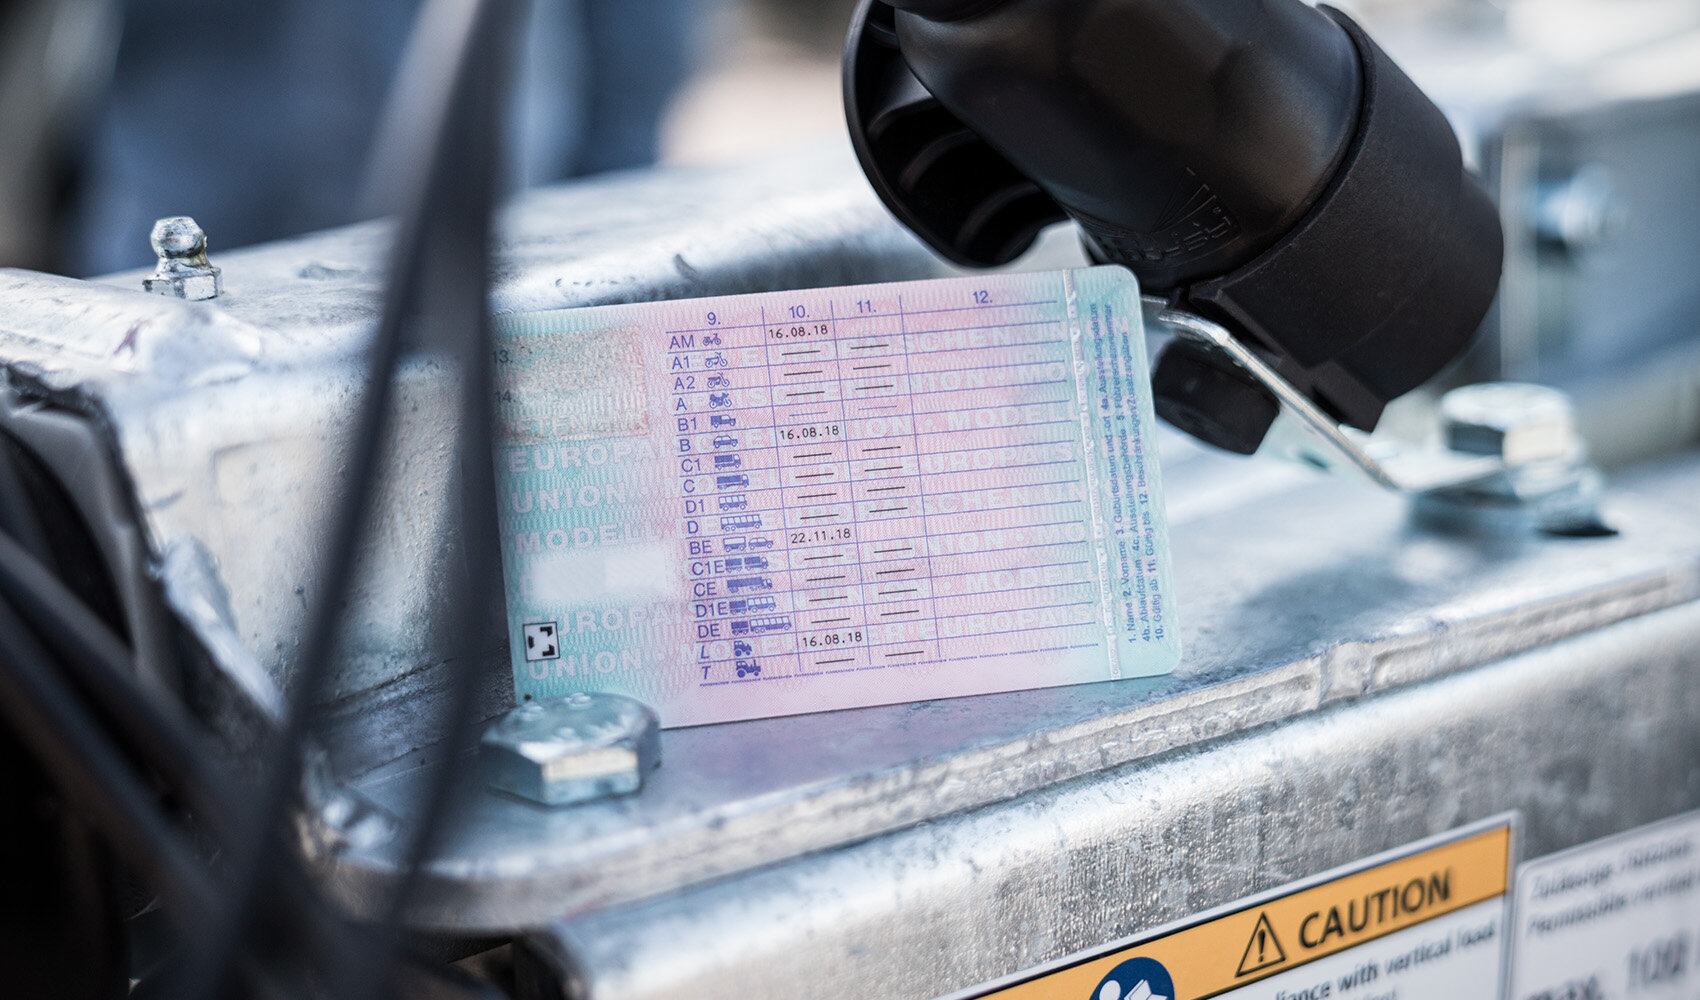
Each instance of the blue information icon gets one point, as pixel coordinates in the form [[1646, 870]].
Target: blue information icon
[[1136, 979]]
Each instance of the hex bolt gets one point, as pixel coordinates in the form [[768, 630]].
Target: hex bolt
[[1545, 482], [183, 271], [575, 748], [1514, 421]]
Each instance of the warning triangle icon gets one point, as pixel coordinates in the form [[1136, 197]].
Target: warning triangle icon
[[1262, 951]]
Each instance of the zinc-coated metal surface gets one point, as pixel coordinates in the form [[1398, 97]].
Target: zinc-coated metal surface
[[1296, 591], [1587, 737]]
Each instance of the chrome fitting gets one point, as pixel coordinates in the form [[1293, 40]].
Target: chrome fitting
[[1519, 423], [183, 271]]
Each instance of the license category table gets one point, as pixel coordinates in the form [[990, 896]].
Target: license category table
[[910, 480]]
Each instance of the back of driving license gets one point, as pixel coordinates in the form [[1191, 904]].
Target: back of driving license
[[791, 502]]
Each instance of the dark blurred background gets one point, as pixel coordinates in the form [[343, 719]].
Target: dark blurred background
[[258, 116]]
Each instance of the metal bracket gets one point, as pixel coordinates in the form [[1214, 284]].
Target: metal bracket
[[1532, 472], [1306, 434]]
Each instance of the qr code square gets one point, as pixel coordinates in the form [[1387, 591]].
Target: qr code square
[[542, 641]]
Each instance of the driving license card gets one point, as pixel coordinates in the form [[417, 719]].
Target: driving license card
[[761, 505]]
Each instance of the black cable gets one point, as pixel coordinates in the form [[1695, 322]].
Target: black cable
[[482, 563], [435, 186], [100, 665], [156, 732], [76, 753], [468, 598], [269, 806], [103, 781], [72, 749], [18, 516], [463, 215]]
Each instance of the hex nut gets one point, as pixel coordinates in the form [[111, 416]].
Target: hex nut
[[183, 270], [575, 748], [1545, 482], [1514, 421]]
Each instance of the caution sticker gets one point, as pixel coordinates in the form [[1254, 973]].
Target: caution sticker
[[1424, 921]]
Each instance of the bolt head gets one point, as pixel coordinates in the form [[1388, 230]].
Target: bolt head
[[575, 748], [184, 271], [177, 237], [1514, 421]]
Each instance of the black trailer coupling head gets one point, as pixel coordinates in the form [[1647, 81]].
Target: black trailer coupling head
[[1259, 162]]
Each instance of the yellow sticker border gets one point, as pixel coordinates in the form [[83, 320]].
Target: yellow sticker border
[[1480, 857]]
